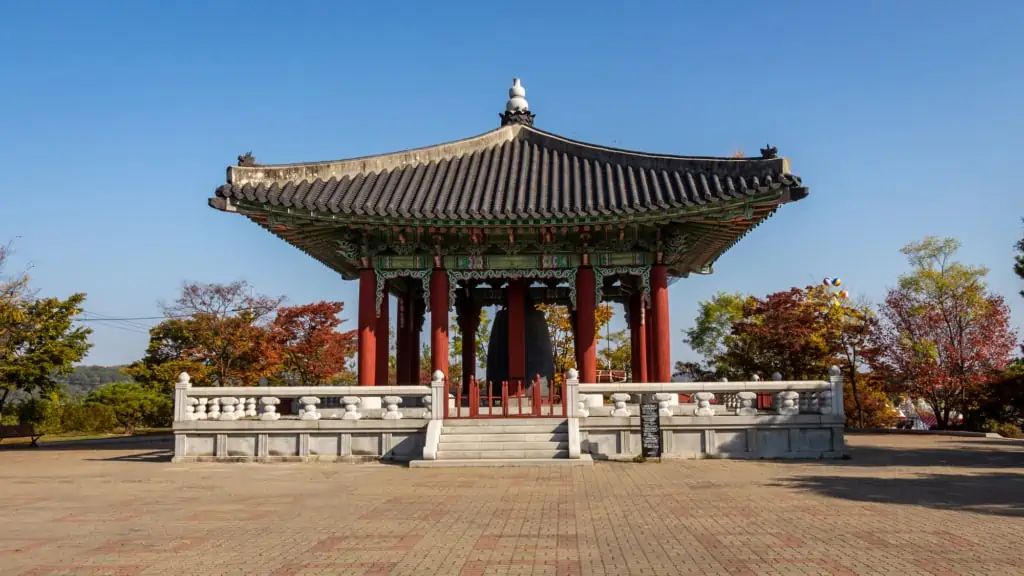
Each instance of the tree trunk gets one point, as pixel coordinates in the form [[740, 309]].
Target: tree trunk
[[3, 400], [856, 401]]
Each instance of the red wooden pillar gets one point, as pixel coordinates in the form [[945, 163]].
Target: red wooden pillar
[[439, 321], [383, 337], [638, 337], [416, 311], [648, 330], [469, 320], [367, 327], [586, 344], [661, 339], [402, 341], [516, 334]]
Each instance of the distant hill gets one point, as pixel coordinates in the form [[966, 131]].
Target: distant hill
[[85, 379]]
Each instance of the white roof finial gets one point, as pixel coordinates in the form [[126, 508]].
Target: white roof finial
[[517, 98]]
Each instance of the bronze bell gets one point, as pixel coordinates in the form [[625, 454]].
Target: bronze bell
[[540, 356]]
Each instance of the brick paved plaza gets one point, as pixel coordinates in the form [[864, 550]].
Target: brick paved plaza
[[901, 505]]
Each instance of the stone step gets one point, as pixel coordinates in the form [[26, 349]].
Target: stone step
[[499, 422], [503, 429], [584, 460], [499, 454], [503, 437], [503, 446]]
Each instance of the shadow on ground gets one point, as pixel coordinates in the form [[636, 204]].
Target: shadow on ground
[[995, 493], [164, 441], [151, 457]]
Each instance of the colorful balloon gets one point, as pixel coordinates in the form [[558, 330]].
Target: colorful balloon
[[827, 281], [836, 281], [844, 294]]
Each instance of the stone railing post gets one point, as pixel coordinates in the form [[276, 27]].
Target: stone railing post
[[747, 403], [309, 408], [664, 399], [576, 407], [704, 404], [620, 399], [351, 408], [834, 405], [270, 408], [250, 407], [437, 396], [391, 411], [181, 397], [787, 402]]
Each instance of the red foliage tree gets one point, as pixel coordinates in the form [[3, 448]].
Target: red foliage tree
[[311, 348], [781, 333], [946, 355], [943, 336]]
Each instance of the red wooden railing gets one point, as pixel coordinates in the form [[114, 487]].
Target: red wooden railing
[[512, 400]]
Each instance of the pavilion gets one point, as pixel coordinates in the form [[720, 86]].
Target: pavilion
[[514, 217]]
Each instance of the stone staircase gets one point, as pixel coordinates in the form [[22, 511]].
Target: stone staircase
[[503, 442]]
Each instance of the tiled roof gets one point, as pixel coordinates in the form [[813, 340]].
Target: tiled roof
[[514, 172]]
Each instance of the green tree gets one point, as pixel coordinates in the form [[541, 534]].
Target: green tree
[[168, 354], [617, 354], [39, 344], [132, 404], [1018, 265], [709, 335], [483, 336]]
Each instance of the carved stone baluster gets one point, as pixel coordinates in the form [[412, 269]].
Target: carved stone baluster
[[270, 408], [811, 406], [201, 409], [309, 404], [825, 402], [227, 408], [704, 404], [620, 400], [747, 403], [787, 402], [391, 411], [250, 407], [804, 401], [428, 413], [190, 408], [664, 403], [351, 408], [731, 401], [213, 408]]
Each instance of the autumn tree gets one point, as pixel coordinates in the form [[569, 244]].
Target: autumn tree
[[712, 328], [563, 342], [783, 333], [221, 327], [942, 335], [171, 351], [311, 348], [852, 325]]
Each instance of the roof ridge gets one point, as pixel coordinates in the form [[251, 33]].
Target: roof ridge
[[326, 169]]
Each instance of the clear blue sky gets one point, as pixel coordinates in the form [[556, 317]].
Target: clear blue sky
[[117, 120]]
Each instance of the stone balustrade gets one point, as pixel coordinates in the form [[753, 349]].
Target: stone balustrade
[[263, 402], [721, 419], [303, 422]]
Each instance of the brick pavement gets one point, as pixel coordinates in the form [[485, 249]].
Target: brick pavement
[[902, 505]]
